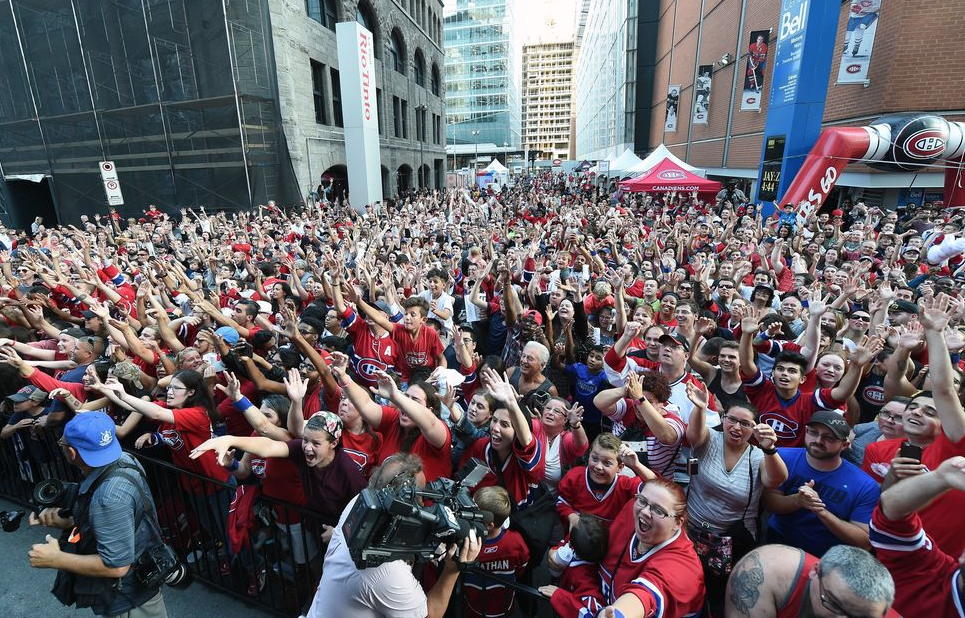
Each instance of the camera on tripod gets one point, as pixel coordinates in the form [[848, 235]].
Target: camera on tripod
[[390, 524]]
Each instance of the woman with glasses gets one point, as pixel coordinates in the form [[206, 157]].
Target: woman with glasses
[[651, 568], [886, 426], [724, 498]]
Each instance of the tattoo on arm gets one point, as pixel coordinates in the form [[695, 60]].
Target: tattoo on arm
[[745, 584]]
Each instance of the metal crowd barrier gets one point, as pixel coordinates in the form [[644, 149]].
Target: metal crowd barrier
[[195, 524]]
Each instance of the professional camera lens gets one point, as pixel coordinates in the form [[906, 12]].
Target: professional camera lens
[[49, 492], [180, 577]]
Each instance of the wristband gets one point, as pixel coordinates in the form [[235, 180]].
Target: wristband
[[242, 404], [156, 438], [769, 451], [233, 466]]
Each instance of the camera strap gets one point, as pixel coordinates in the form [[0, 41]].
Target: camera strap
[[146, 500]]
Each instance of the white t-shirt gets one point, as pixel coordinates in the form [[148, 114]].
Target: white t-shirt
[[386, 591], [443, 303]]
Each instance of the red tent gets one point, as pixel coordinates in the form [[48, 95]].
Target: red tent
[[668, 176]]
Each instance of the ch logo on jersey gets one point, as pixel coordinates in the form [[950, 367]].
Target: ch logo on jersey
[[785, 428], [172, 438], [258, 467], [417, 359], [367, 367], [361, 459], [874, 394]]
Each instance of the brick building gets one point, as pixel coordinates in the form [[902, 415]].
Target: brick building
[[918, 53]]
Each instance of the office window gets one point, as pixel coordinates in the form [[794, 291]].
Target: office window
[[405, 119], [378, 109], [396, 49], [318, 92], [336, 99], [323, 11], [419, 68], [397, 116]]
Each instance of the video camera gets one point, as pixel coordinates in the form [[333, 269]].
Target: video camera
[[389, 524]]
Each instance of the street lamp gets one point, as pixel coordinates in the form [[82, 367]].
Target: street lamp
[[475, 161], [423, 177]]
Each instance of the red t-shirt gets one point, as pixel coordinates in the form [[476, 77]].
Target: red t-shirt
[[436, 462], [938, 517], [421, 351], [192, 427], [577, 496], [363, 448]]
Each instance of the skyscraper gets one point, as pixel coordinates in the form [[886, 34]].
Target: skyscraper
[[547, 88], [483, 51]]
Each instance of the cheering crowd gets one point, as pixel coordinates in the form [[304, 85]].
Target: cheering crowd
[[684, 405]]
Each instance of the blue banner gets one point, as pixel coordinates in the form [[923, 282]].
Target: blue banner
[[799, 84]]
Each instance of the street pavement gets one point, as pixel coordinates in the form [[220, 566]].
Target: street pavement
[[25, 592]]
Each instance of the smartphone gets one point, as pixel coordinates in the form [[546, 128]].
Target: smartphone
[[910, 451], [692, 466]]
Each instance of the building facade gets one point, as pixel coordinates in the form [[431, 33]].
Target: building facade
[[547, 89], [221, 104], [905, 73], [613, 76], [483, 73]]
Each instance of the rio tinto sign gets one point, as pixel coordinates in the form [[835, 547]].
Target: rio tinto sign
[[360, 113]]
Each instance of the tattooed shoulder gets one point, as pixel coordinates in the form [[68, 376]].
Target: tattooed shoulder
[[745, 585]]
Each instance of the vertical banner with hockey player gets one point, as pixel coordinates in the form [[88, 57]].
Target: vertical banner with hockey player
[[705, 73], [754, 73], [673, 104], [859, 40]]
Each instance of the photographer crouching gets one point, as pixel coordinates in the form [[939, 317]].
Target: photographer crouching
[[390, 589], [110, 557]]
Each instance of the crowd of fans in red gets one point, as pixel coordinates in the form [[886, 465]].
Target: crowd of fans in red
[[708, 395]]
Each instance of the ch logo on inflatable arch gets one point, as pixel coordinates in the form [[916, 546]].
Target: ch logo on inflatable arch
[[671, 175], [925, 144]]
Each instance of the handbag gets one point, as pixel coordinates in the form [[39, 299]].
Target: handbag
[[719, 552]]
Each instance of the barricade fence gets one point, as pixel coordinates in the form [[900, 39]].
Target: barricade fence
[[270, 556]]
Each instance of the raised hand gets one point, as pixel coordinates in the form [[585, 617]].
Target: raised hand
[[295, 386], [697, 394], [232, 386], [386, 385], [574, 415], [706, 326], [498, 385], [910, 335], [765, 435], [751, 323], [934, 313], [868, 348]]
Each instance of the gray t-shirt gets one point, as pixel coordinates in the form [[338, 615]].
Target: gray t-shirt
[[717, 497]]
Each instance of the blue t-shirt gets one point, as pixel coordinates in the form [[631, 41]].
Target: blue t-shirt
[[847, 492], [585, 387]]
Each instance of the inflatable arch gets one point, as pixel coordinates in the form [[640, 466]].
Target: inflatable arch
[[897, 142]]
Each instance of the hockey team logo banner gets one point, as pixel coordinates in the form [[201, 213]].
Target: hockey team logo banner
[[673, 104], [859, 40], [705, 73], [754, 73]]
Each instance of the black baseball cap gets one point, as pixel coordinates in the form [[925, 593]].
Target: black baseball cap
[[833, 421], [676, 339], [903, 306]]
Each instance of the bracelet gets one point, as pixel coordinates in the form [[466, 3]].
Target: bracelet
[[577, 426], [769, 451], [233, 466], [242, 404]]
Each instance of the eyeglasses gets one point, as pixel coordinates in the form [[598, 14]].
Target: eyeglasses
[[831, 604], [173, 387], [888, 416], [826, 437], [655, 510], [738, 421]]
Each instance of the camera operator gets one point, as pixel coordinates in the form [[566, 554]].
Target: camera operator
[[107, 529], [390, 590]]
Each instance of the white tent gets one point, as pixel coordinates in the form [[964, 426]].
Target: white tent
[[660, 153], [496, 167], [624, 162]]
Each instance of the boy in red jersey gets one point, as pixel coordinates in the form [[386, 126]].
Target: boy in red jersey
[[416, 344], [579, 589], [504, 553]]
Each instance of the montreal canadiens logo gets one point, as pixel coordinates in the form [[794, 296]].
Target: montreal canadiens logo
[[671, 175], [750, 100], [367, 367], [874, 394], [925, 144], [853, 68], [785, 428]]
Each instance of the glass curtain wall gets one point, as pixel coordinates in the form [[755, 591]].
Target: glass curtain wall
[[180, 94]]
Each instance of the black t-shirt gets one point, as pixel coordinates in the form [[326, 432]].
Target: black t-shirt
[[327, 489]]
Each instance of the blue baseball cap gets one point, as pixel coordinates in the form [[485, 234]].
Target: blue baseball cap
[[229, 334], [93, 435]]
